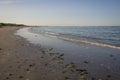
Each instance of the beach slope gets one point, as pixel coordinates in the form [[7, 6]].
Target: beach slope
[[20, 60]]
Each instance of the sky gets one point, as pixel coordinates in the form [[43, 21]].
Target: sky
[[61, 12]]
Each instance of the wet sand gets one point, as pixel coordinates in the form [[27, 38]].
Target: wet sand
[[20, 60]]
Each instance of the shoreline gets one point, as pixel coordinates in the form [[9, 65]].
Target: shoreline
[[24, 61], [99, 61]]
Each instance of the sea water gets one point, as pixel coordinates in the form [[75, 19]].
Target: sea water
[[108, 36]]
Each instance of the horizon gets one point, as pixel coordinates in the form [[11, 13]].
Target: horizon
[[61, 12], [59, 25]]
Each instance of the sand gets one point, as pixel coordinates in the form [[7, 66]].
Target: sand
[[20, 60]]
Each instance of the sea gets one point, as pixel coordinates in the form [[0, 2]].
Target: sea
[[94, 48], [108, 36]]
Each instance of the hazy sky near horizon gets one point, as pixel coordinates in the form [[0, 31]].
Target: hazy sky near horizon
[[61, 12]]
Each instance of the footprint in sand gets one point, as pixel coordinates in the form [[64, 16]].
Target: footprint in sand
[[10, 74], [21, 77], [111, 55], [32, 65], [7, 77], [28, 70], [86, 62]]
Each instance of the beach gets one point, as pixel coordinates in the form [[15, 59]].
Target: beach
[[40, 59], [21, 60], [60, 40]]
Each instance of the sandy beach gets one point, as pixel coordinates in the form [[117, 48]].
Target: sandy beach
[[20, 60], [60, 40]]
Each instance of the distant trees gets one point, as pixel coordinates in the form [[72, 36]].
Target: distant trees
[[10, 24]]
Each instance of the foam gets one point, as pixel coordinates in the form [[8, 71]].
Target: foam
[[84, 41]]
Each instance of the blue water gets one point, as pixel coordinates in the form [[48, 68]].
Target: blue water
[[108, 35]]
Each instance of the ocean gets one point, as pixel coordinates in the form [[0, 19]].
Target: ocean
[[108, 36]]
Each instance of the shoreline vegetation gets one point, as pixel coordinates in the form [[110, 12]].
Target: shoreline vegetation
[[21, 60], [12, 25]]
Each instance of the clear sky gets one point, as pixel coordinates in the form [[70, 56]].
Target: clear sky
[[61, 12]]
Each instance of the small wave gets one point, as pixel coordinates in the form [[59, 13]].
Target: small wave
[[84, 41], [51, 33]]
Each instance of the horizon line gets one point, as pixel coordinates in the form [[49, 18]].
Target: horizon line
[[54, 25]]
